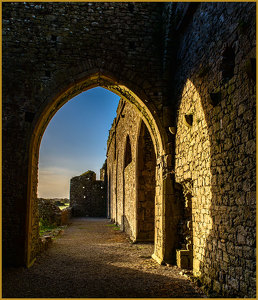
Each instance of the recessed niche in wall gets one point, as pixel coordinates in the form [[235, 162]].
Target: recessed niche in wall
[[227, 64], [128, 152], [188, 119], [250, 68], [215, 98]]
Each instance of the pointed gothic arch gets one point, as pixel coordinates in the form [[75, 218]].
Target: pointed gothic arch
[[128, 152], [146, 185], [53, 104]]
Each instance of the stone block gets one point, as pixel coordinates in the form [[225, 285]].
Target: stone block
[[184, 259]]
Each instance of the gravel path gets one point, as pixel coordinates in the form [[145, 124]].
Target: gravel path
[[91, 259]]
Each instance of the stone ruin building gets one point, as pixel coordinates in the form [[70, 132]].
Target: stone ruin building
[[51, 214], [88, 196], [181, 152]]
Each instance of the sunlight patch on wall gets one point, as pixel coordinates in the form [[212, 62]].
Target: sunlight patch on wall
[[193, 165]]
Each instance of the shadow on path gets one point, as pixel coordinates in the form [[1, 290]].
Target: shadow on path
[[91, 260]]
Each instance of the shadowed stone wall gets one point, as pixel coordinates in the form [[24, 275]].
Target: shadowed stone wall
[[50, 213], [56, 50], [215, 148], [146, 170]]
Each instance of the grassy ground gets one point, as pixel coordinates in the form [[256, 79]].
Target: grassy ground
[[64, 206], [114, 226], [46, 228]]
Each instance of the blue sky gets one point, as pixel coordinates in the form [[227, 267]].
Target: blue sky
[[75, 141]]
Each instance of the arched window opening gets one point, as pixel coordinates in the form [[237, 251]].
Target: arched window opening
[[228, 64], [146, 182], [128, 152]]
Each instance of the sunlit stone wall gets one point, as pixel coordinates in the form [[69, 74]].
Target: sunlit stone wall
[[123, 178], [193, 167], [215, 82]]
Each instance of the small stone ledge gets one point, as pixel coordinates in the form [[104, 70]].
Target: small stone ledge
[[184, 259], [46, 240]]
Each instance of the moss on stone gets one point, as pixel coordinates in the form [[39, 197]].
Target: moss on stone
[[89, 172]]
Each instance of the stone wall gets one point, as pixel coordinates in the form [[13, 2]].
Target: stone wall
[[103, 172], [52, 214], [88, 196], [121, 157], [214, 134], [49, 212], [51, 53], [66, 216], [131, 166], [215, 142]]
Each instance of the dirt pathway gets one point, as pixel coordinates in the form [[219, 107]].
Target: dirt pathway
[[91, 260]]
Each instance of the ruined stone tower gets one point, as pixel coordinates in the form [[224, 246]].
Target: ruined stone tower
[[88, 196]]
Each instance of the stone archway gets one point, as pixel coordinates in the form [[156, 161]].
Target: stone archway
[[147, 113]]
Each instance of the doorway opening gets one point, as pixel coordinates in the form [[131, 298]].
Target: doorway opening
[[51, 106], [146, 182], [72, 166]]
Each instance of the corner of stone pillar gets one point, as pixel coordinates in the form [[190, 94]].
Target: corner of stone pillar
[[158, 259], [170, 220]]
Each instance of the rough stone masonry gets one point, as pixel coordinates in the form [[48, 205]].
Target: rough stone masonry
[[186, 73], [88, 195]]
